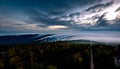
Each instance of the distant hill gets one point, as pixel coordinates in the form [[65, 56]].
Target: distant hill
[[21, 39], [39, 38], [31, 38]]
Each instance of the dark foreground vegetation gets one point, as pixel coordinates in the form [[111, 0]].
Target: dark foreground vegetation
[[57, 55]]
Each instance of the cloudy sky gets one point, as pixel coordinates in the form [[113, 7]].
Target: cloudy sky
[[51, 16]]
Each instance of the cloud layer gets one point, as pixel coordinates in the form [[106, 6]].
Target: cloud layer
[[99, 15], [60, 15]]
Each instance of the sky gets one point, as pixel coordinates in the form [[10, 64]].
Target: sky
[[64, 16]]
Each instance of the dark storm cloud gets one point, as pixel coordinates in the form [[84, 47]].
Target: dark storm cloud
[[103, 24], [51, 6], [101, 21], [37, 16], [97, 12], [118, 9], [47, 13], [100, 7], [56, 7], [42, 11]]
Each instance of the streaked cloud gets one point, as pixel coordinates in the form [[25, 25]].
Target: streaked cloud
[[21, 25], [100, 14], [99, 7], [15, 24], [61, 15]]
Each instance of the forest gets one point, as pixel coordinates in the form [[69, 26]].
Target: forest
[[58, 55]]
